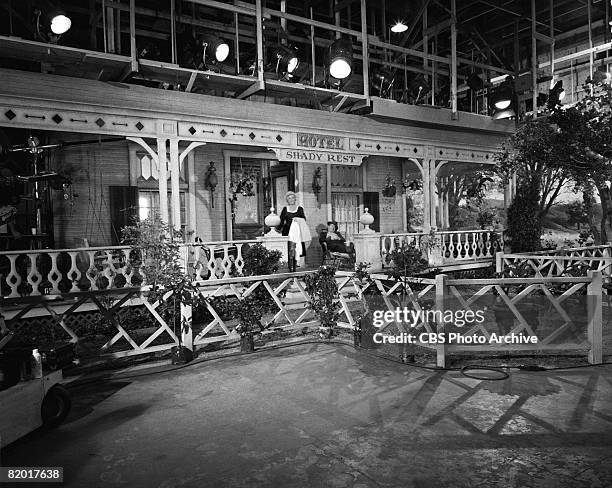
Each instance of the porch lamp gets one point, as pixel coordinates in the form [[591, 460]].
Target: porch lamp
[[215, 48], [211, 181], [287, 62], [341, 59]]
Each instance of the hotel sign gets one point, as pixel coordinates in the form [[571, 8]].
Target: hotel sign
[[305, 139], [319, 157]]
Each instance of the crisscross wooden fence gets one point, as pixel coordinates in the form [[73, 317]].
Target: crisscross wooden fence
[[509, 300], [289, 298], [559, 262]]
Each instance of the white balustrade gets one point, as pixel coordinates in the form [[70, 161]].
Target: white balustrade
[[60, 271], [451, 246]]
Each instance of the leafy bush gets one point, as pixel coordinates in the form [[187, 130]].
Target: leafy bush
[[323, 291], [247, 311], [486, 217], [407, 260], [259, 260]]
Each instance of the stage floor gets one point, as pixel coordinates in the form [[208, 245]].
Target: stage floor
[[326, 415]]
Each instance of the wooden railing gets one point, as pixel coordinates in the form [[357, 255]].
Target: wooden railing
[[559, 313], [530, 307], [559, 262], [57, 271], [446, 247]]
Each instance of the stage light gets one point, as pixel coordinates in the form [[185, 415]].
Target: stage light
[[215, 48], [418, 87], [341, 59], [286, 62], [50, 26], [60, 23], [555, 95], [399, 27], [475, 82], [382, 81], [502, 96]]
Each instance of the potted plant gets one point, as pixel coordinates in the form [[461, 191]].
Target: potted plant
[[156, 252], [323, 293], [389, 190], [247, 312]]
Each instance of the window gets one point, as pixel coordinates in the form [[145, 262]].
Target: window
[[345, 211], [148, 205], [346, 198]]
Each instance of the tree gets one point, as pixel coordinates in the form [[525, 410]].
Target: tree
[[585, 136], [532, 153], [461, 185]]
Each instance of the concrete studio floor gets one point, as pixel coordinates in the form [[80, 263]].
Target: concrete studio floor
[[325, 415]]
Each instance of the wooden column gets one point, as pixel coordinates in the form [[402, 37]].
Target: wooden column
[[174, 185], [163, 179], [364, 48], [259, 34], [453, 60]]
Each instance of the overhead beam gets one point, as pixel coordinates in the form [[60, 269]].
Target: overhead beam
[[258, 86]]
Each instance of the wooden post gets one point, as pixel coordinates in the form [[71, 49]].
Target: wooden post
[[133, 53], [594, 306], [364, 48], [259, 38], [174, 184], [441, 294], [427, 224], [499, 261], [186, 329], [454, 114], [163, 179]]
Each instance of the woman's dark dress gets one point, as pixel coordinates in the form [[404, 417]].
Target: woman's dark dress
[[286, 218]]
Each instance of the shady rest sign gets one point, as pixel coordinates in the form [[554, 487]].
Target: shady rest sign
[[319, 149]]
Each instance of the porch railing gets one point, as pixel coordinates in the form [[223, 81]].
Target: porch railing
[[57, 271], [446, 247]]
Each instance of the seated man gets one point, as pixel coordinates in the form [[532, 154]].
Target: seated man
[[336, 243]]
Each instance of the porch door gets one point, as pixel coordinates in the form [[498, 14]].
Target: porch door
[[282, 177]]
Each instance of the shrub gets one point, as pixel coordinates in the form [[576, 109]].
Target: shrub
[[259, 260], [323, 291], [407, 260]]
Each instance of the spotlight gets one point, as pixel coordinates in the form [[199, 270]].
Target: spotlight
[[399, 27], [286, 62], [504, 114], [555, 95], [341, 59], [475, 82], [51, 26], [502, 96], [418, 87], [382, 80], [215, 48], [60, 22]]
